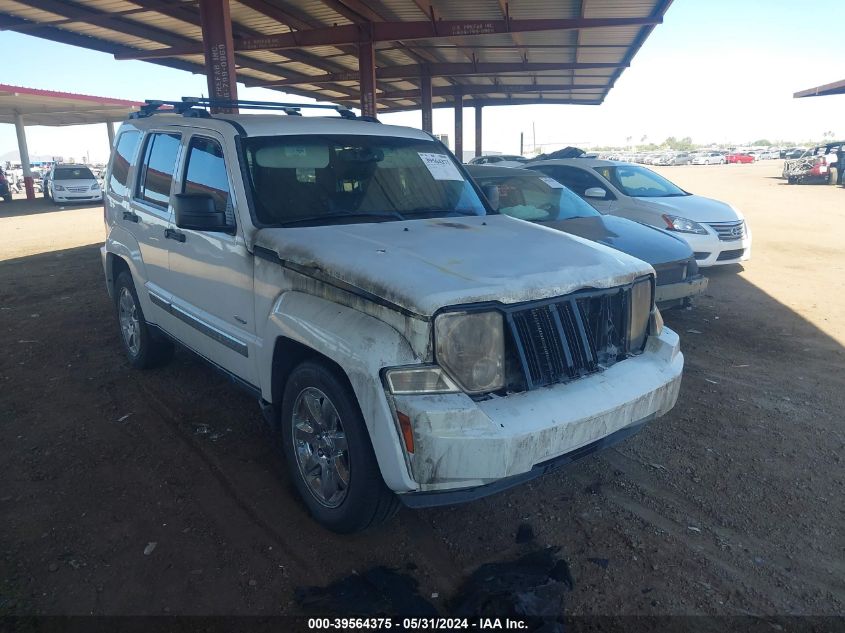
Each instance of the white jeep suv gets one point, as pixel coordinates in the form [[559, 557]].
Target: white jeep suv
[[353, 278]]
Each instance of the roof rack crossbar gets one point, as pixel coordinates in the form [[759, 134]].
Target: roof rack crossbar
[[190, 106]]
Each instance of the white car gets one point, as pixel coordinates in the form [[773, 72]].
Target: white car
[[72, 183], [717, 232], [709, 158], [405, 341]]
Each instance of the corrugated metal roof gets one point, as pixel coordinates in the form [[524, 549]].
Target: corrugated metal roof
[[491, 49]]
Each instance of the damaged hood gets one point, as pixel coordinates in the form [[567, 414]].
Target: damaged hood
[[696, 208], [425, 265]]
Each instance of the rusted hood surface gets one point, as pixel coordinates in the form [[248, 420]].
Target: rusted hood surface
[[425, 265]]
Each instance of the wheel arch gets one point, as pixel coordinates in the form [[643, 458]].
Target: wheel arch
[[355, 345]]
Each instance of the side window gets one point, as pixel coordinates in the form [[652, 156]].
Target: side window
[[577, 179], [158, 167], [205, 173], [124, 152]]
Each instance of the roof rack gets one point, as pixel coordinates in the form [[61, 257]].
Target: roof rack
[[193, 107]]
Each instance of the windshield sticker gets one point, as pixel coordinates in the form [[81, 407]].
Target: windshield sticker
[[551, 182], [440, 166]]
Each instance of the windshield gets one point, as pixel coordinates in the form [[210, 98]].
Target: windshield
[[639, 182], [333, 179], [73, 173], [537, 198]]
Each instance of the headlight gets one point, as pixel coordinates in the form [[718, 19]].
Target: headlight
[[406, 381], [58, 187], [470, 346], [641, 302], [682, 225], [95, 186]]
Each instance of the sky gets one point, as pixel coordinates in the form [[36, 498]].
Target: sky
[[718, 71]]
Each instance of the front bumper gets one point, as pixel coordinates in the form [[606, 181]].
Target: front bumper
[[461, 444], [711, 251], [690, 287], [73, 197]]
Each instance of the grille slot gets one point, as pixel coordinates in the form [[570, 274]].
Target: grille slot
[[729, 231], [570, 337]]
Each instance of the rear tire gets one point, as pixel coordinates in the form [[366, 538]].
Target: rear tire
[[144, 348], [329, 454], [7, 197], [833, 176]]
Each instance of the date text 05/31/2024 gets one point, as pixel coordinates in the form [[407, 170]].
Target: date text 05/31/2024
[[431, 624]]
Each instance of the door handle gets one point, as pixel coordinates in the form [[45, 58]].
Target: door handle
[[173, 234], [131, 216]]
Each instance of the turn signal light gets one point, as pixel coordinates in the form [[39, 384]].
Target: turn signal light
[[407, 431]]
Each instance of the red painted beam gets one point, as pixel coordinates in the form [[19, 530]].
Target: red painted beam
[[425, 95], [219, 51], [404, 31], [367, 71], [459, 127]]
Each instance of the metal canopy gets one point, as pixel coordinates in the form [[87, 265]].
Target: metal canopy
[[48, 107], [836, 88], [493, 52]]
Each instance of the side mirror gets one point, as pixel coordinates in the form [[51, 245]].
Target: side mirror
[[595, 192], [491, 192], [196, 211]]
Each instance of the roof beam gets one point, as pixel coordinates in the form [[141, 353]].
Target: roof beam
[[835, 88], [104, 46], [137, 29], [472, 89], [393, 31], [446, 69], [497, 102]]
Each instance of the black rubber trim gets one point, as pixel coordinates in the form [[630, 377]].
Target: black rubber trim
[[211, 332], [236, 380], [240, 128], [463, 495], [314, 273]]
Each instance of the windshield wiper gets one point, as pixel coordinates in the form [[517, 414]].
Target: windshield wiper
[[333, 216], [426, 210]]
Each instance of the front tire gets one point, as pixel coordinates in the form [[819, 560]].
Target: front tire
[[328, 451], [144, 348]]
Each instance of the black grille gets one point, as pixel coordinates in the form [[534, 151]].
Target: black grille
[[729, 231], [570, 337], [725, 255], [671, 273]]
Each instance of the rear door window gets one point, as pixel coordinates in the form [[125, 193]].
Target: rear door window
[[124, 152], [156, 176]]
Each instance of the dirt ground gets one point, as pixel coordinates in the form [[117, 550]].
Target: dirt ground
[[731, 504]]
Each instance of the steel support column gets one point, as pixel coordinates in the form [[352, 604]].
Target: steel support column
[[367, 71], [459, 126], [24, 152], [219, 51], [425, 96], [110, 132], [478, 130]]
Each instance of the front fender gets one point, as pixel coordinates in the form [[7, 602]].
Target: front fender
[[361, 345]]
